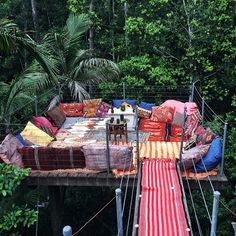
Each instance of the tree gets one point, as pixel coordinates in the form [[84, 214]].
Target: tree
[[77, 66]]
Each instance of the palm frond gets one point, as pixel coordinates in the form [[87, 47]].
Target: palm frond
[[78, 90], [96, 70]]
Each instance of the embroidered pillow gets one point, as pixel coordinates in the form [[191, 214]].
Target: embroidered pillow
[[72, 109], [103, 109], [143, 113], [57, 116], [42, 123], [147, 106], [91, 106], [162, 114], [192, 156]]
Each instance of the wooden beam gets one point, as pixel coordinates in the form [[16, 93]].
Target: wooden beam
[[106, 180]]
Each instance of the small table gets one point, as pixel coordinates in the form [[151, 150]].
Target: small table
[[128, 113], [118, 129]]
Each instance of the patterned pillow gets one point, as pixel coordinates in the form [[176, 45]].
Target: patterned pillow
[[206, 137], [91, 106], [9, 147], [163, 114], [103, 109], [72, 109], [143, 113], [57, 116], [193, 155], [192, 123]]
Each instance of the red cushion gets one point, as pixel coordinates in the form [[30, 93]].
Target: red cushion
[[176, 131], [163, 114], [149, 125], [72, 109], [42, 122]]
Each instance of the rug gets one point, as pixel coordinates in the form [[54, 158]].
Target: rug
[[100, 135]]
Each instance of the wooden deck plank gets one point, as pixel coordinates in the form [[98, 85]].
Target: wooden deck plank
[[105, 179]]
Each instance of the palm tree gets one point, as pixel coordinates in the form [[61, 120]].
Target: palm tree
[[12, 38], [76, 66]]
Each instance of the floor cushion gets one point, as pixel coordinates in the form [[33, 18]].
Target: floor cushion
[[56, 116], [117, 103], [212, 158], [147, 106], [95, 156], [192, 156], [91, 106], [35, 135], [23, 141], [72, 109], [205, 136], [9, 147], [42, 123]]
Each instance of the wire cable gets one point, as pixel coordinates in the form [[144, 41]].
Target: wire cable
[[227, 208], [203, 196], [83, 226], [130, 206]]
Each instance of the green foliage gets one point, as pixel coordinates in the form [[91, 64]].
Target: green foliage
[[10, 177], [11, 215]]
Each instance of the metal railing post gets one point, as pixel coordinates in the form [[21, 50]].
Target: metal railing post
[[190, 99], [119, 212], [67, 231], [36, 105], [215, 213], [108, 148], [203, 110], [234, 227], [182, 134], [223, 149], [137, 140], [124, 91]]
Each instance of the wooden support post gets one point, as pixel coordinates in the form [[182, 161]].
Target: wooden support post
[[56, 205]]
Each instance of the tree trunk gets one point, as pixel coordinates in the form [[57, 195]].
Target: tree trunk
[[56, 204], [91, 30], [35, 18], [111, 24], [126, 35]]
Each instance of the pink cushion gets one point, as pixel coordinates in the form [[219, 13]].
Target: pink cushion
[[41, 122]]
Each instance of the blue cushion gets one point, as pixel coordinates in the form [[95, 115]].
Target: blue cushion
[[212, 158], [117, 103], [22, 140], [147, 106]]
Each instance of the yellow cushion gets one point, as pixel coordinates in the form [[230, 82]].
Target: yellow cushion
[[35, 135]]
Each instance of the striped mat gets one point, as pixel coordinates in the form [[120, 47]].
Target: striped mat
[[161, 208], [156, 149]]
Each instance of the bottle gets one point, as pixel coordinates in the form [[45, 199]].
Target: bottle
[[112, 109]]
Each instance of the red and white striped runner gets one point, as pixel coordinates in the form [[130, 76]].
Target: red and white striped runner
[[161, 208]]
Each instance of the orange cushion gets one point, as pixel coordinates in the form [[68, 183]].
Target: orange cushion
[[91, 106]]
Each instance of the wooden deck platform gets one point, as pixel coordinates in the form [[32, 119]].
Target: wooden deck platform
[[53, 178]]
